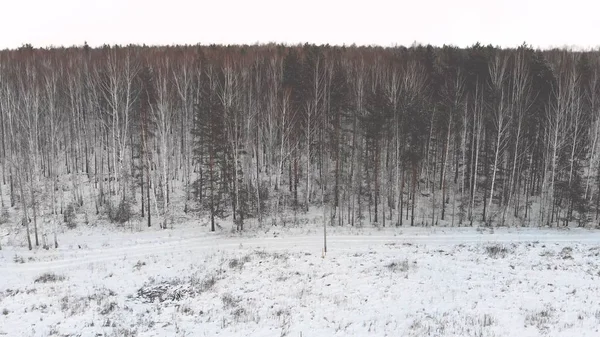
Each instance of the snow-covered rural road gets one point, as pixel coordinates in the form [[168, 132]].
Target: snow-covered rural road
[[103, 249]]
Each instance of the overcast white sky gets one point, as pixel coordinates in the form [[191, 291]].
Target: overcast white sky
[[383, 22]]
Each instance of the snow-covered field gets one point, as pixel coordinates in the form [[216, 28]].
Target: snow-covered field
[[393, 282]]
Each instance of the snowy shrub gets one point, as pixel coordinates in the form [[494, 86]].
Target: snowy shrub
[[49, 277], [283, 312], [164, 291], [487, 320], [18, 259], [261, 254], [229, 301], [281, 256], [101, 295], [496, 251], [428, 326], [124, 332], [4, 216], [10, 293], [566, 252], [399, 266], [540, 319], [185, 309], [4, 311], [74, 305], [108, 308], [594, 251], [139, 265], [236, 263], [175, 289], [285, 318], [69, 215], [547, 253], [452, 324], [238, 313], [208, 282], [121, 213]]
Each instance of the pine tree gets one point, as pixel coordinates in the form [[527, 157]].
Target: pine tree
[[210, 150]]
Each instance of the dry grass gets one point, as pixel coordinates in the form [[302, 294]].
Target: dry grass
[[49, 277]]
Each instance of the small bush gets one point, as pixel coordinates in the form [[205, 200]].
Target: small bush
[[18, 259], [402, 266], [566, 252], [69, 215], [185, 309], [261, 254], [49, 277], [74, 305], [4, 311], [238, 314], [121, 213], [236, 263], [496, 251], [281, 256], [547, 253], [229, 301], [540, 319], [124, 332], [208, 282], [159, 292], [487, 320], [108, 308], [175, 289], [4, 216], [139, 265]]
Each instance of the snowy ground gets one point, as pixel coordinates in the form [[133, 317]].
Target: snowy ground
[[394, 282]]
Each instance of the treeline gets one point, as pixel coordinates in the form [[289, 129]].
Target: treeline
[[393, 136]]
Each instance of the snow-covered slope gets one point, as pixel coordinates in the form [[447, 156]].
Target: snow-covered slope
[[393, 282]]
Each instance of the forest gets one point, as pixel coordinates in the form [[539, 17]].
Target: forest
[[417, 136]]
